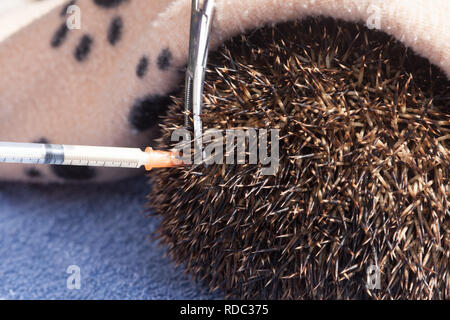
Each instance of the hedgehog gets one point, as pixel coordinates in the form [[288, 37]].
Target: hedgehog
[[363, 177]]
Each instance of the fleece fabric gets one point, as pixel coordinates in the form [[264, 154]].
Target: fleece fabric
[[49, 233]]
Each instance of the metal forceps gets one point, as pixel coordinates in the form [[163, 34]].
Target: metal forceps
[[201, 21]]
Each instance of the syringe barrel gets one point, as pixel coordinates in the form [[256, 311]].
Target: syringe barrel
[[35, 153], [12, 152]]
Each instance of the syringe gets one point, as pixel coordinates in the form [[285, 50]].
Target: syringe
[[57, 154]]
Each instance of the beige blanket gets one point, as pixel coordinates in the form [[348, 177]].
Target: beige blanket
[[106, 82]]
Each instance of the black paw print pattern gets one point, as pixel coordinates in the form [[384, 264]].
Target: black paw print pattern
[[146, 110], [75, 173]]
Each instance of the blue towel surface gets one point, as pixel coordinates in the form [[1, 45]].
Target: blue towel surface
[[102, 229]]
